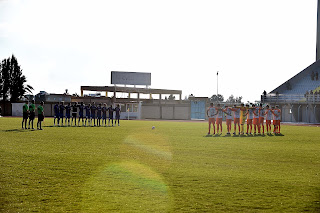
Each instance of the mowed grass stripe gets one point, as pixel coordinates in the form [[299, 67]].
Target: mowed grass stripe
[[173, 168]]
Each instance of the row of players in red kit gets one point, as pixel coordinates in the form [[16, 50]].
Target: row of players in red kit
[[244, 114]]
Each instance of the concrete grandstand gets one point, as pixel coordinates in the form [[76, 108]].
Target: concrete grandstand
[[299, 97]]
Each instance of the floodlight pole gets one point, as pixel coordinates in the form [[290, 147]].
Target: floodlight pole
[[217, 85]]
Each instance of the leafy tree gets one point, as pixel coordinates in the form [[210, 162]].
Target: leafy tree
[[12, 80], [5, 79], [238, 99], [218, 98], [233, 99]]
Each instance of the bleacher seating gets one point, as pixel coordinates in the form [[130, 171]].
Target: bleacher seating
[[302, 85]]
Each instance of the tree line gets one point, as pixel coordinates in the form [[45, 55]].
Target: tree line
[[12, 82], [231, 99]]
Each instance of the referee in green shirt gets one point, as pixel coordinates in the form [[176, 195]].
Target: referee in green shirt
[[25, 111], [40, 115], [32, 109]]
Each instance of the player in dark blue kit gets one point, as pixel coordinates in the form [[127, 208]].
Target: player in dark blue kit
[[118, 111], [104, 114], [68, 113], [74, 108], [99, 115], [110, 110], [81, 108], [93, 114], [56, 114], [61, 110], [88, 114]]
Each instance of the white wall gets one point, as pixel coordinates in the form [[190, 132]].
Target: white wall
[[17, 109]]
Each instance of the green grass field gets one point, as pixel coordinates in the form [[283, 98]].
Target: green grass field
[[173, 168]]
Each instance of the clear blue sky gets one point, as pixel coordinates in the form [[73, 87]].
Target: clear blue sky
[[254, 44]]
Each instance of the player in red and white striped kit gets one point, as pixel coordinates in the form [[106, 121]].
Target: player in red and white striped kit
[[249, 119], [261, 118], [211, 113], [228, 113], [236, 110], [256, 119], [219, 115], [268, 113], [276, 119]]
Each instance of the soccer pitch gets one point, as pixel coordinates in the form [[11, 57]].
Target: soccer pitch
[[173, 168]]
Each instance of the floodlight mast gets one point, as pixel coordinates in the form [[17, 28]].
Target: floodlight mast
[[318, 33], [218, 84]]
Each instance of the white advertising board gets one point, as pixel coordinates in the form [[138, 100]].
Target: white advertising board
[[130, 78]]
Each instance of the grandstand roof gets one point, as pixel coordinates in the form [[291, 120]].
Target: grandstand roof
[[301, 82]]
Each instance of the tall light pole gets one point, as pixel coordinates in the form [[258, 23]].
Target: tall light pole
[[318, 33], [217, 85]]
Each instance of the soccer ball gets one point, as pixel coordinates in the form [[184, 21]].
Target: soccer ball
[[153, 127]]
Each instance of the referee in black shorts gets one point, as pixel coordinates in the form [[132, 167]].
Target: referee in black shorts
[[25, 114]]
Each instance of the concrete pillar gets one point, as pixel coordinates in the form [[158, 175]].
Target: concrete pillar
[[81, 93]]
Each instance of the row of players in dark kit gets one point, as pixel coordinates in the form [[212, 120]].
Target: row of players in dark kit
[[91, 115]]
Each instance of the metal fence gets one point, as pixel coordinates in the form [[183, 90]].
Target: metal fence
[[297, 98]]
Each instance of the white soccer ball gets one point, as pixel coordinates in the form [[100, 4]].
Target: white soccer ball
[[153, 127]]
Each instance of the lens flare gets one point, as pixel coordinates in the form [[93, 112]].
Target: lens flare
[[150, 143], [126, 187]]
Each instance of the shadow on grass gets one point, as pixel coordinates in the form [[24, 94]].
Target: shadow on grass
[[242, 136], [19, 130], [210, 136], [50, 126]]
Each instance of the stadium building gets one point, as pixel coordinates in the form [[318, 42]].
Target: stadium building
[[299, 96], [138, 102]]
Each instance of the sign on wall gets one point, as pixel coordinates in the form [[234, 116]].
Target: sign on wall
[[130, 78]]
